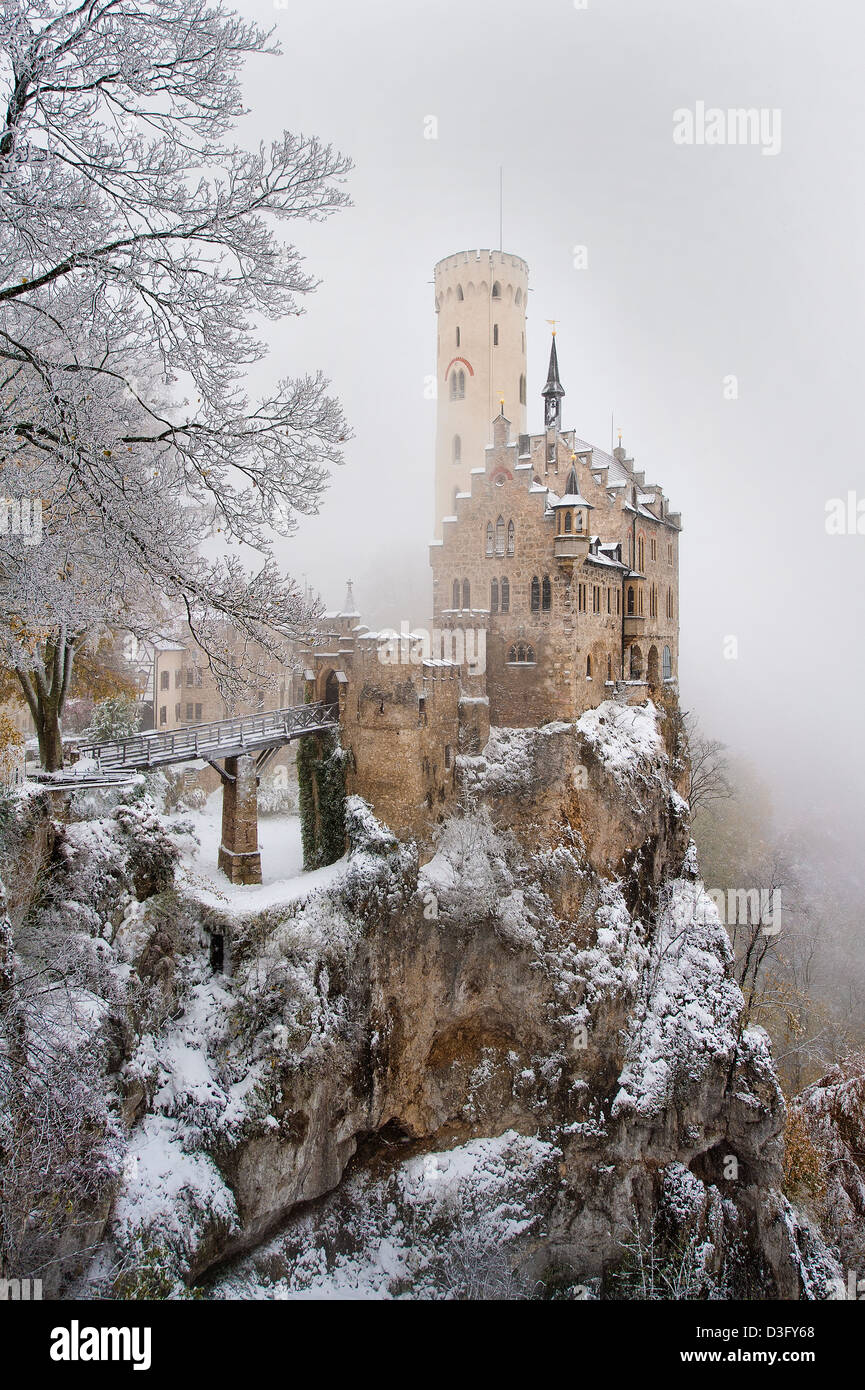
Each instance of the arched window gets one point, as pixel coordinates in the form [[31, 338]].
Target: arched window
[[456, 594], [518, 297], [521, 652], [641, 554], [578, 520], [588, 668], [530, 654], [497, 290], [547, 600], [510, 538], [636, 664], [467, 594], [457, 451], [500, 536], [536, 594], [522, 385], [506, 595], [567, 522], [490, 540], [458, 385], [494, 596], [668, 664], [512, 655], [460, 294], [630, 600], [609, 668], [653, 602]]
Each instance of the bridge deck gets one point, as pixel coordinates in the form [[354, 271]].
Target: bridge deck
[[224, 738]]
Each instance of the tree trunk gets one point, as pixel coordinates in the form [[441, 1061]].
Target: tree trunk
[[50, 738], [45, 690]]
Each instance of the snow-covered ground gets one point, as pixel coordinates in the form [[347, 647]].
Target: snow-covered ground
[[283, 877]]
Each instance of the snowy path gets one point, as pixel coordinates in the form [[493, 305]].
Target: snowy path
[[281, 864]]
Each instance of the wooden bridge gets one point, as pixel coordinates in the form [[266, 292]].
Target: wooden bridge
[[244, 746]]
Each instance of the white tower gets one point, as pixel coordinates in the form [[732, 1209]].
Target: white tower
[[480, 299]]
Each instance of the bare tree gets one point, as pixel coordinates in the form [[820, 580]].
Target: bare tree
[[708, 778], [137, 247]]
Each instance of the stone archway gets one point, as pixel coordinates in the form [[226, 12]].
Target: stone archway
[[330, 689], [636, 664]]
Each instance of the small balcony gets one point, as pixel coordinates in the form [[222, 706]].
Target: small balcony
[[634, 624], [573, 547]]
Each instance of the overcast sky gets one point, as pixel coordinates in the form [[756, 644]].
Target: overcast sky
[[703, 262]]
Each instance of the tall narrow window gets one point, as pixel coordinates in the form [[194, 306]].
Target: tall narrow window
[[467, 595], [495, 335], [522, 389], [500, 536], [668, 664], [536, 595], [568, 523], [458, 337], [630, 600], [494, 596], [490, 538], [506, 596], [457, 451], [460, 294], [547, 592], [497, 290], [510, 538], [456, 594], [588, 668], [609, 668]]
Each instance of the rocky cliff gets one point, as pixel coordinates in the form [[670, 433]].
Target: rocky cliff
[[516, 1068]]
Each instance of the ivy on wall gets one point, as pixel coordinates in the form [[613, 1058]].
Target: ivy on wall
[[321, 784]]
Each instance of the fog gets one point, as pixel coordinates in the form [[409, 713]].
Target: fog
[[704, 262]]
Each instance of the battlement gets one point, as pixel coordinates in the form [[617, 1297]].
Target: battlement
[[505, 259]]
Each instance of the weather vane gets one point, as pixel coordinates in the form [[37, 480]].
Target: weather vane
[[553, 323]]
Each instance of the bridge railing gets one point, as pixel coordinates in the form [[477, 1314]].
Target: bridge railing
[[200, 740]]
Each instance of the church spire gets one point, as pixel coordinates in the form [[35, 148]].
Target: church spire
[[553, 392]]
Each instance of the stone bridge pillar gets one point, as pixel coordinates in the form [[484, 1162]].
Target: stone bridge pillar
[[239, 857]]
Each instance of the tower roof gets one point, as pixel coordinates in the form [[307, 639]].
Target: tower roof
[[571, 497], [348, 608], [553, 387]]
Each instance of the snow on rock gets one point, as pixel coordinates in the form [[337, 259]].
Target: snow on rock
[[690, 1008], [442, 1225], [624, 737], [172, 1199], [509, 763]]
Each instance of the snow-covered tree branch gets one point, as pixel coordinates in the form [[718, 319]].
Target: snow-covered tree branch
[[139, 252]]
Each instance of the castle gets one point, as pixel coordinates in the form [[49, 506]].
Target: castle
[[555, 572]]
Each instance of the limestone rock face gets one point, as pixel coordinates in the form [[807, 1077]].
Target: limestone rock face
[[554, 978]]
